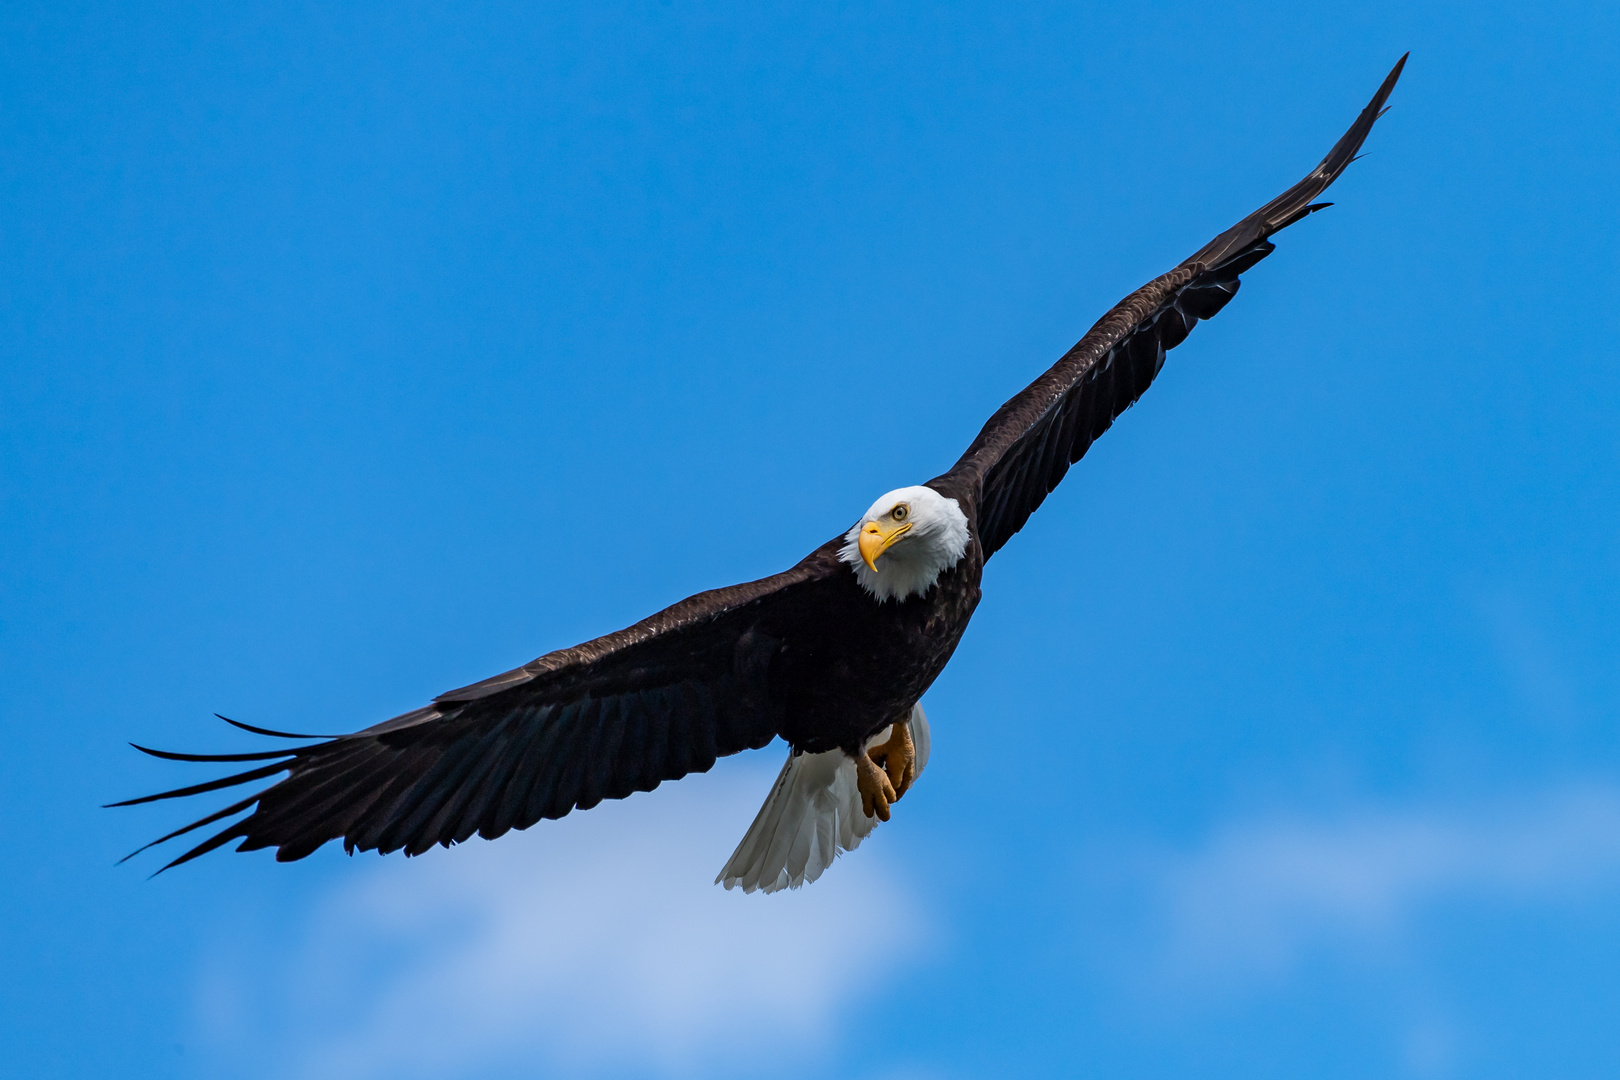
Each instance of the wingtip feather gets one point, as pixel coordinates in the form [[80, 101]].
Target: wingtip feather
[[271, 731], [263, 755], [220, 838], [212, 785]]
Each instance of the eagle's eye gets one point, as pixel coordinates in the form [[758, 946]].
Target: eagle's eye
[[899, 513]]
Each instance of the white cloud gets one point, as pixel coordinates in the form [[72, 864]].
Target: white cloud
[[592, 945], [1259, 896]]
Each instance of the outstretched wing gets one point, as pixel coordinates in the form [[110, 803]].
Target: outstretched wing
[[613, 716], [1028, 445]]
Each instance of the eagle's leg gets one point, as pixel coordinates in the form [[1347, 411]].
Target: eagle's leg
[[876, 791], [898, 757]]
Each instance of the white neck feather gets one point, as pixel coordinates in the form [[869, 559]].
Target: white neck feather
[[936, 541]]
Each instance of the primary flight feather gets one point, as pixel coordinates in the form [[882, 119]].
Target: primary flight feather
[[831, 655]]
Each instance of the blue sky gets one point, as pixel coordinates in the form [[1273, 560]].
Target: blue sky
[[352, 354]]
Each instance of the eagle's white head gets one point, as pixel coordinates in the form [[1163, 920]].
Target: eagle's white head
[[904, 542]]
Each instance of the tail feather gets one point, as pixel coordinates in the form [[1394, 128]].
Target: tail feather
[[812, 815]]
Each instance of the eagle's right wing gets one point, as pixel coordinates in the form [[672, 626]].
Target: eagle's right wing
[[616, 715]]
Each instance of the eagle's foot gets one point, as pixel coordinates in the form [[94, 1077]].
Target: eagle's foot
[[898, 757], [876, 790]]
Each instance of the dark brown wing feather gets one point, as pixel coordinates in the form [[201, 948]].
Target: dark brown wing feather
[[1028, 445], [601, 720]]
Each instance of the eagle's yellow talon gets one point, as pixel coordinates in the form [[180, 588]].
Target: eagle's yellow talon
[[898, 756], [876, 790]]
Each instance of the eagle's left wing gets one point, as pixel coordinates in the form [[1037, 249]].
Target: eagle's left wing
[[1028, 445]]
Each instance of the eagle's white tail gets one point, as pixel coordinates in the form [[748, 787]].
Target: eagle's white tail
[[811, 815]]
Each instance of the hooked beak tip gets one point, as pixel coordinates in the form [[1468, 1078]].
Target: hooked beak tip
[[875, 540], [871, 545]]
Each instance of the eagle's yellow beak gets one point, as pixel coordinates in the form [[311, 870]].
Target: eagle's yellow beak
[[876, 537]]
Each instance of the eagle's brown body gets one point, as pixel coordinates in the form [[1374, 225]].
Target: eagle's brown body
[[843, 667]]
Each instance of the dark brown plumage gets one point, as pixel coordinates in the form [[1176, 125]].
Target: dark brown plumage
[[806, 655]]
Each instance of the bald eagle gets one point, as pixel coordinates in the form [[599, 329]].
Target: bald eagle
[[830, 655]]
